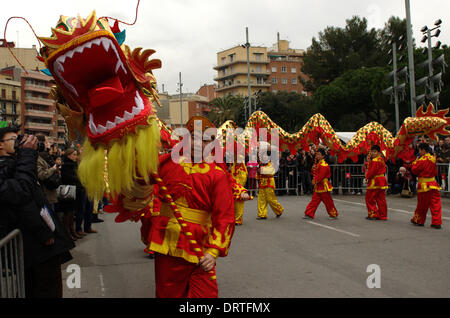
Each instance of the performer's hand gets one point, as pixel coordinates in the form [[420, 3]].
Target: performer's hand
[[207, 262], [245, 196]]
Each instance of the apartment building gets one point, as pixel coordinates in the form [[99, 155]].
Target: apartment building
[[208, 91], [232, 71], [274, 69], [189, 105], [10, 94], [37, 110], [285, 68]]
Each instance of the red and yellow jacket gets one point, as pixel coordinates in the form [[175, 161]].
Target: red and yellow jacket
[[375, 174], [265, 176], [203, 195], [426, 170], [239, 175], [321, 175]]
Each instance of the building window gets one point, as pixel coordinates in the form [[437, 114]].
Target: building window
[[224, 60], [284, 81], [14, 108], [274, 91], [294, 91], [304, 93], [258, 56], [294, 70], [283, 69], [294, 81], [258, 68], [3, 93], [231, 57], [259, 80], [14, 95], [274, 80], [274, 69]]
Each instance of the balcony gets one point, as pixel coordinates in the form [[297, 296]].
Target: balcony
[[218, 67], [39, 100], [39, 126], [240, 84], [252, 73], [39, 113], [37, 88]]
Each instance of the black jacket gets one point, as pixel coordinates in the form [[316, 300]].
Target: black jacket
[[21, 200]]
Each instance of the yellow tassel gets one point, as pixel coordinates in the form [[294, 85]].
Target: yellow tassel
[[133, 154], [90, 170]]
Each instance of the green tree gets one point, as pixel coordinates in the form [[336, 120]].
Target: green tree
[[338, 50], [287, 109], [354, 99], [226, 108]]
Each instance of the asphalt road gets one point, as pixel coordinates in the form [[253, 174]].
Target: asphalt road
[[287, 257]]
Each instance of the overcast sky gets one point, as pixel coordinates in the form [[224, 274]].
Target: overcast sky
[[187, 34]]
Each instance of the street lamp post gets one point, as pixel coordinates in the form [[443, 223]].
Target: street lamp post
[[181, 101], [396, 89], [412, 84], [247, 45], [429, 81]]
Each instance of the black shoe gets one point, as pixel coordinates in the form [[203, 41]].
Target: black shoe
[[436, 226], [260, 218], [97, 220], [151, 255], [416, 224], [278, 215], [307, 217], [369, 218]]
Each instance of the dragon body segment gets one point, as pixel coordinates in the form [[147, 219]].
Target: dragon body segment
[[317, 128]]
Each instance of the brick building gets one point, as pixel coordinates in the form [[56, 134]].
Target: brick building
[[285, 68]]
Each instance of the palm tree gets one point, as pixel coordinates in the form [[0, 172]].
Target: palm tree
[[225, 108]]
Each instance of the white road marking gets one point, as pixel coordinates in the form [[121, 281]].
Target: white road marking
[[389, 209], [334, 229], [102, 285]]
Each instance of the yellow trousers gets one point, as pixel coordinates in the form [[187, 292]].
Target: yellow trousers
[[239, 212], [267, 196]]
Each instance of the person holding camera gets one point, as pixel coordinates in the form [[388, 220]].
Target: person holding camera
[[49, 173], [45, 244]]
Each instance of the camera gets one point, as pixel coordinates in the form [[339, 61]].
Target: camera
[[18, 142], [40, 147]]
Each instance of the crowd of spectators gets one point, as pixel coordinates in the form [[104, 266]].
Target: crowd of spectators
[[31, 171]]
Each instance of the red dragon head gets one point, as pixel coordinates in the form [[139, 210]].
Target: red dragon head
[[106, 84], [106, 92]]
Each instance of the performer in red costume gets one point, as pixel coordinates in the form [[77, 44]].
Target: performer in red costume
[[428, 195], [376, 186], [202, 192], [322, 188]]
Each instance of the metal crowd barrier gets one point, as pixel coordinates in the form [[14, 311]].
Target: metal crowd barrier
[[348, 178], [444, 176], [12, 279], [345, 179]]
